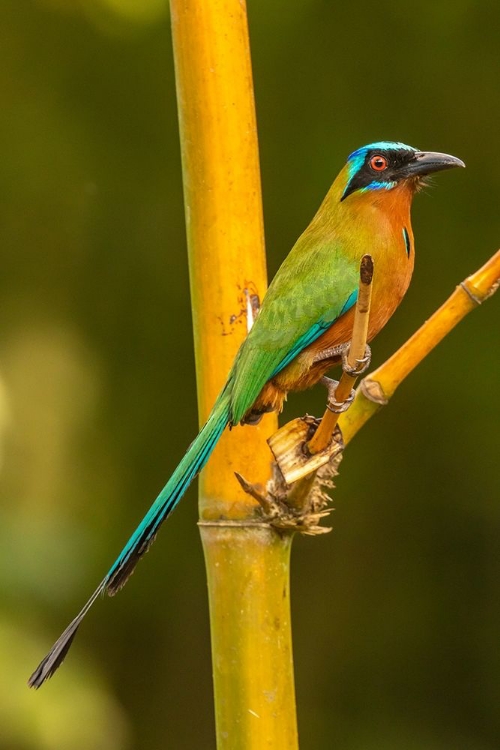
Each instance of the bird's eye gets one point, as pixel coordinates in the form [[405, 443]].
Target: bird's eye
[[378, 163]]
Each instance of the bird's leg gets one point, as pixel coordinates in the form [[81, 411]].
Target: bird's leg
[[332, 352], [336, 406], [361, 365]]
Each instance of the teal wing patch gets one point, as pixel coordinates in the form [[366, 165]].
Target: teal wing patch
[[350, 301], [257, 362], [312, 334]]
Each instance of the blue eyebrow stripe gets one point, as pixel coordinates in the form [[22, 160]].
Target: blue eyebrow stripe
[[382, 145]]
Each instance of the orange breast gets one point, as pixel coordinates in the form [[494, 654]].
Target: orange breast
[[393, 257]]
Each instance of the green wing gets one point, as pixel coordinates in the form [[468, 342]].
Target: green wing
[[314, 286]]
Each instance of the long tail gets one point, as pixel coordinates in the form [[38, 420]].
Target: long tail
[[196, 457]]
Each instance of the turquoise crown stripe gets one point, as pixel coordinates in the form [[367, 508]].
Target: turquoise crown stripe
[[382, 145]]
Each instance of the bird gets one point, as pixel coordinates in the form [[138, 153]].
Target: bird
[[303, 326]]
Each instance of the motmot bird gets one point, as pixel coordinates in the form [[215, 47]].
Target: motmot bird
[[304, 324]]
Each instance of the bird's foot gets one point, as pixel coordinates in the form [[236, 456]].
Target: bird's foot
[[361, 365], [338, 407]]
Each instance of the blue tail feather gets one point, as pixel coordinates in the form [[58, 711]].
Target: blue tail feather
[[195, 459]]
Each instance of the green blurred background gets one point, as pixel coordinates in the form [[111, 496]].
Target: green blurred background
[[396, 613]]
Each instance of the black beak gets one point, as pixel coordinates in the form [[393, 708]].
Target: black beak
[[425, 162]]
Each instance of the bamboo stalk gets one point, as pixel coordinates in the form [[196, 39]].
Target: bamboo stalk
[[254, 689], [376, 389], [247, 562]]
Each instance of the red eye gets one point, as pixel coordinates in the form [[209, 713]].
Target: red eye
[[378, 163]]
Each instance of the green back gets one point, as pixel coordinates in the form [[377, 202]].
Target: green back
[[315, 285]]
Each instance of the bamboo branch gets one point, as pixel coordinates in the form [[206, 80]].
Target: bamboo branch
[[356, 358], [376, 389], [302, 446], [300, 469]]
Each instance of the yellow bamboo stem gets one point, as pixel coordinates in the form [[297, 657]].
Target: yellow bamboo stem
[[376, 389], [253, 679], [247, 562], [321, 438], [224, 222]]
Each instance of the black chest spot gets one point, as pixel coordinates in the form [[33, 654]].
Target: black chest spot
[[407, 240]]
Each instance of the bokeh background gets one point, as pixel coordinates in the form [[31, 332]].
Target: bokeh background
[[397, 612]]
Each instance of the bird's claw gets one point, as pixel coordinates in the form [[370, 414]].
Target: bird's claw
[[339, 407], [361, 365], [336, 406]]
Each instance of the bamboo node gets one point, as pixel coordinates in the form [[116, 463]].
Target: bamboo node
[[227, 523], [373, 391], [281, 510], [356, 358], [474, 297]]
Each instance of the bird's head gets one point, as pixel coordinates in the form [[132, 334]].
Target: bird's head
[[387, 165]]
